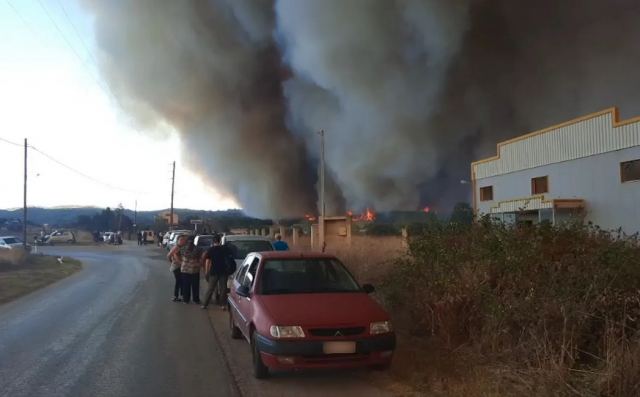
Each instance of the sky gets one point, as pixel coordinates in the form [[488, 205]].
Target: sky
[[94, 154]]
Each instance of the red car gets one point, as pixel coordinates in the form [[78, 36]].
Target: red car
[[305, 310]]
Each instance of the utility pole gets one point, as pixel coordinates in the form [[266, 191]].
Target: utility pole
[[321, 231], [24, 209], [135, 217], [322, 203], [173, 182]]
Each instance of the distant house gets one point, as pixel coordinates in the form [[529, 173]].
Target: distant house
[[166, 216], [586, 168]]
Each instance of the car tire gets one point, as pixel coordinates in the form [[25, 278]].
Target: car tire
[[235, 331], [260, 371]]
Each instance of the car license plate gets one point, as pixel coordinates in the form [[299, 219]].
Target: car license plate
[[339, 347]]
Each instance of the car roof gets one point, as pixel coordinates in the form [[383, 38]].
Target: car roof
[[8, 237], [295, 255], [237, 237]]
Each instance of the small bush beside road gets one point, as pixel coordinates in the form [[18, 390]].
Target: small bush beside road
[[22, 275], [13, 257]]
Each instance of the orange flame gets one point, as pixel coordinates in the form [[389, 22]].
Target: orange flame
[[427, 209], [368, 215]]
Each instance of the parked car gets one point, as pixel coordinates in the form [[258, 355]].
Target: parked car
[[305, 310], [106, 236], [203, 240], [165, 239], [61, 236], [242, 244], [174, 237], [149, 236], [12, 242]]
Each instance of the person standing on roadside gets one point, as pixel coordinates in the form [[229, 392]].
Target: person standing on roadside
[[190, 271], [176, 263], [217, 264], [280, 245], [139, 238]]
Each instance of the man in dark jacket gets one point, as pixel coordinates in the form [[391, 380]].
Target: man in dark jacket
[[216, 262]]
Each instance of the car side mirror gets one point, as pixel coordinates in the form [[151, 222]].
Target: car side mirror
[[243, 291], [368, 288]]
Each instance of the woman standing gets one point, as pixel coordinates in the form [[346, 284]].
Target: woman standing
[[175, 258], [190, 271]]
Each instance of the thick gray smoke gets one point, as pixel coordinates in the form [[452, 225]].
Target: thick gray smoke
[[407, 91]]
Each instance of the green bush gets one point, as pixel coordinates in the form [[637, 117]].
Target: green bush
[[383, 229], [529, 294]]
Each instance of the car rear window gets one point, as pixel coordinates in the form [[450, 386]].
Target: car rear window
[[11, 240], [299, 276], [241, 248], [204, 242]]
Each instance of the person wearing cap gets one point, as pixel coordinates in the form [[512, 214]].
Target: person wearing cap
[[280, 245]]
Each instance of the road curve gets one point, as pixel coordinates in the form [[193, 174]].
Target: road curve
[[109, 330]]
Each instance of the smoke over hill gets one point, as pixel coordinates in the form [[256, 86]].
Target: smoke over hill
[[408, 91]]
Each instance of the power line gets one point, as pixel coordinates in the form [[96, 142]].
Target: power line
[[84, 175], [70, 168], [24, 21], [9, 142], [83, 62], [77, 32]]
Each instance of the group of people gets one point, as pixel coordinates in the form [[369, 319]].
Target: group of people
[[142, 237], [187, 262]]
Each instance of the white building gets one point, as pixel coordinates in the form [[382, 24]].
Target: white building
[[587, 167]]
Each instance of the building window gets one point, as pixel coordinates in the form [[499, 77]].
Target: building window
[[630, 171], [540, 185], [486, 193]]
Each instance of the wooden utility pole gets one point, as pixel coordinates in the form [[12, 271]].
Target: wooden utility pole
[[173, 182], [24, 209], [321, 231]]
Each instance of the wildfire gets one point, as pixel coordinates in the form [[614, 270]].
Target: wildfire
[[368, 215], [309, 217]]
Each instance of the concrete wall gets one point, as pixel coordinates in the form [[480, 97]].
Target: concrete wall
[[596, 179]]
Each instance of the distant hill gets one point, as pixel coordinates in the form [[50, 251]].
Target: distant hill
[[67, 216]]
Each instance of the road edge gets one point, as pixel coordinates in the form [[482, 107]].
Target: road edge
[[234, 380]]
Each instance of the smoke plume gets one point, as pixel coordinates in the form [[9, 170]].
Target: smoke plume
[[407, 91]]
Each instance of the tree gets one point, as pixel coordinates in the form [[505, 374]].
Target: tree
[[462, 214]]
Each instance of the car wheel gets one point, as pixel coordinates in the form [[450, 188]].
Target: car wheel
[[260, 371], [70, 241], [235, 331]]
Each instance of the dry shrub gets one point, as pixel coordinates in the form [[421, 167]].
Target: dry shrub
[[534, 306], [13, 257], [369, 258]]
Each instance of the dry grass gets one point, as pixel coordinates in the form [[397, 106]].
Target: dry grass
[[369, 258], [37, 271], [13, 257]]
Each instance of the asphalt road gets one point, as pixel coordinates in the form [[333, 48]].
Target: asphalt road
[[110, 330]]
